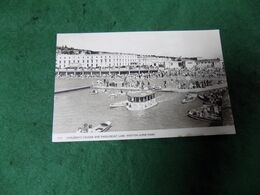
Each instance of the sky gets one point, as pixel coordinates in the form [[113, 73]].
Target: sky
[[205, 43]]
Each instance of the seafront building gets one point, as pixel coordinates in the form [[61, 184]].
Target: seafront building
[[207, 63], [80, 60], [73, 58]]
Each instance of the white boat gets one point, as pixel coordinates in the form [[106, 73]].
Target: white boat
[[94, 92], [140, 100], [102, 127], [116, 94], [118, 104]]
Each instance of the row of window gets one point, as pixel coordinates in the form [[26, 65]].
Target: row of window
[[141, 99], [94, 65], [77, 61], [101, 60], [117, 57]]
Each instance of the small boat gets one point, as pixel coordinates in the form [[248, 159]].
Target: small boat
[[103, 126], [117, 94], [118, 104], [203, 97], [189, 98], [94, 92], [84, 129]]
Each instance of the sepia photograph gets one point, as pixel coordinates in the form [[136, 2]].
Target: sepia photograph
[[140, 85]]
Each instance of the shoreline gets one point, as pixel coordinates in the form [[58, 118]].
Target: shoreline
[[158, 88]]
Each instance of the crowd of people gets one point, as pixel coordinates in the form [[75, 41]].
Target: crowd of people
[[168, 78], [181, 79]]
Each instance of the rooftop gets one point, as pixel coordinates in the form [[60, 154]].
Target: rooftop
[[140, 93]]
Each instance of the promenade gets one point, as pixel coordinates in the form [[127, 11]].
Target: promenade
[[72, 89], [194, 90], [168, 89], [178, 81]]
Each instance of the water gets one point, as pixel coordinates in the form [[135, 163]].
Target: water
[[72, 109]]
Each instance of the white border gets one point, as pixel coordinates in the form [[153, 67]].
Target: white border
[[143, 134]]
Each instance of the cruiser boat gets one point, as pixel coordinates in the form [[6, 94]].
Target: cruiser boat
[[140, 100]]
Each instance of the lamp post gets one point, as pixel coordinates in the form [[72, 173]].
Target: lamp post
[[128, 69], [83, 72]]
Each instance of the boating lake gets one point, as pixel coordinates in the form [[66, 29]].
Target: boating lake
[[73, 109]]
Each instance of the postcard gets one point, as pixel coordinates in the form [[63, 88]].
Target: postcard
[[140, 85]]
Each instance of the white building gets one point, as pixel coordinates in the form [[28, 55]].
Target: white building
[[210, 63], [172, 64], [189, 64], [102, 60], [85, 59]]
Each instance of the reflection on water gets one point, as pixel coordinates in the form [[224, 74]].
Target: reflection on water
[[72, 109]]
